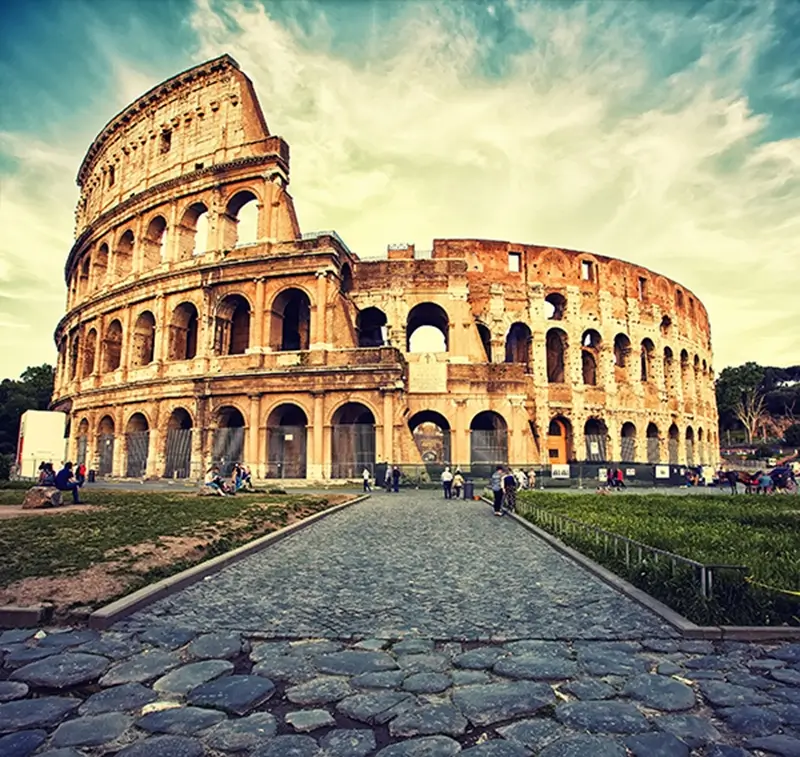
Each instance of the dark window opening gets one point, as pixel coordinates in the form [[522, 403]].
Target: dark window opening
[[166, 141]]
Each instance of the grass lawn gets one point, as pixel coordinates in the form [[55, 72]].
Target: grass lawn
[[762, 533], [87, 558]]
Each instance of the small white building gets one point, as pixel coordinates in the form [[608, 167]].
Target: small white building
[[41, 439]]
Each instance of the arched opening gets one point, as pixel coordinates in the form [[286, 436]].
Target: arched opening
[[286, 442], [555, 306], [684, 365], [291, 321], [178, 450], [646, 359], [193, 232], [100, 266], [371, 327], [82, 442], [74, 355], [596, 436], [232, 333], [488, 442], [701, 450], [590, 347], [518, 345], [227, 447], [559, 441], [137, 445], [144, 340], [672, 444], [689, 446], [242, 216], [486, 340], [84, 275], [89, 351], [105, 446], [669, 363], [346, 281], [628, 443], [622, 351], [653, 448], [427, 328], [112, 347], [123, 255], [666, 325], [183, 332], [556, 345], [431, 432], [155, 243], [353, 441]]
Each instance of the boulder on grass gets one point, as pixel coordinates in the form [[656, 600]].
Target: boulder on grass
[[41, 497]]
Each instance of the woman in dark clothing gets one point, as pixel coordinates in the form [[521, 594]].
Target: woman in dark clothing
[[510, 489]]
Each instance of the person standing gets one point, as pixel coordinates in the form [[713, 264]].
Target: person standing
[[611, 478], [387, 477], [531, 479], [458, 483], [396, 479], [496, 485], [66, 483], [510, 490], [447, 483], [620, 478], [80, 475], [365, 475]]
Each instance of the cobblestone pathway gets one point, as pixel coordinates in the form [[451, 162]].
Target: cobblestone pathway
[[175, 682]]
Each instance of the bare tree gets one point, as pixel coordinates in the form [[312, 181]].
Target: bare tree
[[750, 410]]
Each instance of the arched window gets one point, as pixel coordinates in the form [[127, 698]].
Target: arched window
[[112, 347], [89, 351], [622, 350], [105, 446], [183, 332], [628, 443], [178, 448], [596, 436], [82, 442], [371, 327], [228, 439], [689, 446], [137, 446], [424, 321], [488, 442], [701, 451], [242, 215], [555, 306], [193, 232], [346, 280], [518, 344], [232, 334], [155, 243], [83, 276], [646, 359], [286, 442], [291, 321], [123, 255], [556, 345], [100, 267], [74, 355], [431, 432], [674, 436], [590, 347], [486, 340], [653, 448], [353, 440], [144, 340], [684, 364], [666, 325], [559, 441]]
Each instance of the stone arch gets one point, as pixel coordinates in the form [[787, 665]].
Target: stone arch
[[665, 326], [193, 231], [89, 353], [672, 444], [701, 450], [371, 325], [591, 342], [595, 433], [647, 351], [287, 426], [82, 439], [559, 441], [155, 242], [684, 364], [555, 306], [488, 442], [105, 446], [518, 344], [241, 219], [112, 346], [669, 370], [84, 275], [679, 298], [137, 445], [178, 444], [183, 331], [232, 322], [352, 440], [144, 340], [556, 348], [653, 444], [100, 266], [431, 432], [689, 446], [622, 351], [74, 355], [123, 255], [628, 442], [227, 446], [485, 336], [432, 318], [290, 327]]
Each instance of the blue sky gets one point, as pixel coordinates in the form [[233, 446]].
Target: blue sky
[[667, 133]]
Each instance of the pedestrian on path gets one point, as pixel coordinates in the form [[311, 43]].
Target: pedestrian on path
[[387, 477], [447, 483], [496, 485], [458, 483], [510, 490], [365, 474], [395, 479]]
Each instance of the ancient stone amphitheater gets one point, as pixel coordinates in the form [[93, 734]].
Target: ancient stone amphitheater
[[202, 325]]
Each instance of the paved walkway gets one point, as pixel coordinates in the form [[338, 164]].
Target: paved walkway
[[410, 563], [419, 592]]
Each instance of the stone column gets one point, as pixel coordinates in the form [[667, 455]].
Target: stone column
[[315, 468], [516, 448], [318, 337], [387, 453], [251, 452], [118, 465], [257, 320], [460, 435], [161, 349]]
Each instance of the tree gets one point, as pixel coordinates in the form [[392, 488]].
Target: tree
[[740, 397], [32, 391]]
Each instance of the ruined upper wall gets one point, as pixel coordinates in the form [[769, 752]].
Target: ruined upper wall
[[202, 117]]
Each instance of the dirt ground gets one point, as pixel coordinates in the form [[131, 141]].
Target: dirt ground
[[16, 511]]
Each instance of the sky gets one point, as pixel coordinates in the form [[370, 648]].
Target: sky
[[664, 133]]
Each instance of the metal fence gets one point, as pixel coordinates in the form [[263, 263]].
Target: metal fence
[[286, 452], [178, 453], [353, 450], [137, 446], [227, 449], [105, 454]]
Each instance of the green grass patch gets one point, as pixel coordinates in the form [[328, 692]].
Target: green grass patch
[[762, 533]]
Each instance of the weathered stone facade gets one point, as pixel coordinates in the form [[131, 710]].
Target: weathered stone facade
[[189, 338]]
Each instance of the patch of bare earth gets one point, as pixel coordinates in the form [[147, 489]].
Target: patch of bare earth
[[94, 586], [16, 511]]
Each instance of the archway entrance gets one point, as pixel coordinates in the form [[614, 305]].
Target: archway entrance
[[595, 433], [83, 442], [653, 449], [559, 441], [488, 442], [179, 445], [291, 321], [105, 446], [352, 441], [137, 446], [431, 433], [286, 442], [628, 443], [228, 441], [673, 444]]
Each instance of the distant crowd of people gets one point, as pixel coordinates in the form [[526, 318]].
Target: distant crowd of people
[[240, 479]]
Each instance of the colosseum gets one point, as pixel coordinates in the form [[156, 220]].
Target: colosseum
[[204, 327]]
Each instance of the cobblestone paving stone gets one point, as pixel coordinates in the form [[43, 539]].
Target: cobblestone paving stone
[[403, 695]]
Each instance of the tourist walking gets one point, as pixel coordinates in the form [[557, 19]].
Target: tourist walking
[[522, 479], [447, 483], [458, 483], [496, 485], [387, 477], [80, 474], [66, 483], [365, 474], [611, 478], [620, 478], [510, 485], [531, 479], [395, 479]]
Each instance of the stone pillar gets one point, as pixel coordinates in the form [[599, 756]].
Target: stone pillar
[[315, 469], [257, 319], [516, 448], [460, 435], [387, 453], [318, 337], [251, 451], [578, 439], [120, 456], [161, 349]]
